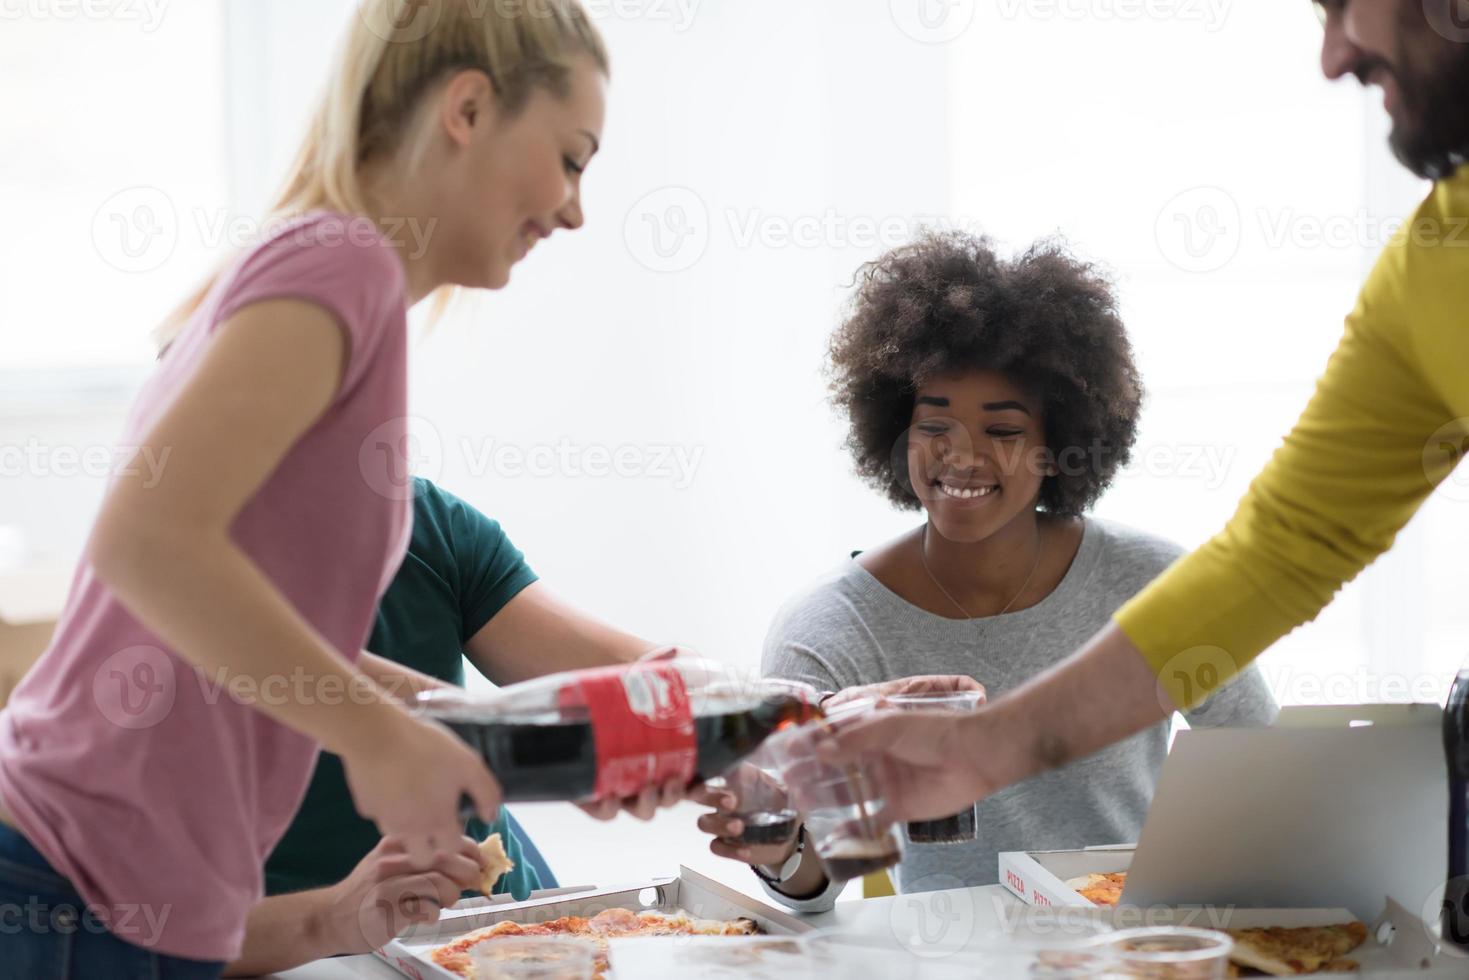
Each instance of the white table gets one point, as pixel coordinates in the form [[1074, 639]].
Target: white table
[[950, 917]]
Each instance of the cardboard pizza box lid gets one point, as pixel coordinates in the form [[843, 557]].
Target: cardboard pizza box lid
[[1039, 877], [1340, 806]]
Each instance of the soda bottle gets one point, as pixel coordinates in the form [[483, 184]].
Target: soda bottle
[[612, 732], [1455, 913]]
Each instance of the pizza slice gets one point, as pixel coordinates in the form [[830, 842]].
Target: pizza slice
[[598, 930], [1283, 952], [497, 862], [1099, 889]]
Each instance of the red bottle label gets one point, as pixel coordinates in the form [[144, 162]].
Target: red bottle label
[[642, 725]]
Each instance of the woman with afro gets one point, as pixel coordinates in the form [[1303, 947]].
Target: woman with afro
[[999, 398]]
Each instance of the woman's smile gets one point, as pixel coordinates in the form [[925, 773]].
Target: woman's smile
[[966, 492]]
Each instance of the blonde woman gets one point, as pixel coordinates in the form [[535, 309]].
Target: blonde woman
[[211, 641]]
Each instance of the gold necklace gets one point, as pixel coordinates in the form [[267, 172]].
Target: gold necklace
[[923, 559]]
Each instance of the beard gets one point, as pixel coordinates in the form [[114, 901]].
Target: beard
[[1430, 134]]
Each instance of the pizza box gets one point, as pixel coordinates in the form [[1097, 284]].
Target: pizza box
[[690, 892], [1399, 939], [1039, 877], [1399, 945], [1332, 806], [1396, 948]]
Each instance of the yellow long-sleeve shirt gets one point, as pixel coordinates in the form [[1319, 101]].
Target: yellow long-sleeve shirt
[[1388, 421]]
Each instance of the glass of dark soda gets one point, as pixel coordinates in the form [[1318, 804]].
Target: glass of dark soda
[[960, 827], [763, 802], [844, 805]]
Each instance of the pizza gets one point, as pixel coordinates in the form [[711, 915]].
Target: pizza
[[497, 862], [1100, 889], [604, 926], [1282, 952]]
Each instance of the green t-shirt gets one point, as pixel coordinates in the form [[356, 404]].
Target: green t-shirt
[[460, 571]]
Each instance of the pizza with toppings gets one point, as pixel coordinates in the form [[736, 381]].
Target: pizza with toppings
[[604, 926], [1100, 889], [1282, 952]]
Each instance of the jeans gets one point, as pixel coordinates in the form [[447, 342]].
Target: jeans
[[46, 932]]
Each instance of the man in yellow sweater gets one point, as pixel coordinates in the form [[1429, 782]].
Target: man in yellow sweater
[[1388, 421]]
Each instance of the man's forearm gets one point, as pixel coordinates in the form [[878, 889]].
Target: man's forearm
[[1100, 695], [285, 931]]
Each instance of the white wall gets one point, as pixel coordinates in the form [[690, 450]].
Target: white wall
[[758, 130]]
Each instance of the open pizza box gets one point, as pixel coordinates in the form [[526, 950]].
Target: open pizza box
[[690, 892], [1334, 813]]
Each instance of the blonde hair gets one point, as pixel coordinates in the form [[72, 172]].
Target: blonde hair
[[392, 55]]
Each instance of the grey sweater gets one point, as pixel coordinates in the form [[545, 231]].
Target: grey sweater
[[848, 629]]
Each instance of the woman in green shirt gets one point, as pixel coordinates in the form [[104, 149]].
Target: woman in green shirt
[[463, 591]]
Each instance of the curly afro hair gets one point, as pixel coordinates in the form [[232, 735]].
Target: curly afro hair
[[947, 303]]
